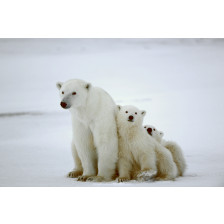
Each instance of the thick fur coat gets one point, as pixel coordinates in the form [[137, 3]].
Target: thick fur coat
[[140, 156], [173, 147], [95, 141]]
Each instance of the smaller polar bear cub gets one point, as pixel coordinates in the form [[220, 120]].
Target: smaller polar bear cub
[[173, 147], [139, 155]]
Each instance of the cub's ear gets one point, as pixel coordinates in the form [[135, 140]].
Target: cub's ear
[[161, 134], [143, 112], [87, 86], [59, 85], [118, 107]]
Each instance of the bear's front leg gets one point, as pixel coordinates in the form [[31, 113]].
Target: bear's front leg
[[105, 139], [124, 169], [78, 170], [89, 162], [107, 159], [86, 151]]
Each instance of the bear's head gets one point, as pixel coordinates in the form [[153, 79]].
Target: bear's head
[[130, 116], [73, 93], [156, 134]]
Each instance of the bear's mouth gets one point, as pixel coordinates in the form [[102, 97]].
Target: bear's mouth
[[130, 120]]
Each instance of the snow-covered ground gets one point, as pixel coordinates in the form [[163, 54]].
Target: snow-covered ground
[[180, 83]]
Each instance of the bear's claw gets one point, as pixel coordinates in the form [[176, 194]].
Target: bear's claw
[[83, 178], [74, 174], [122, 179]]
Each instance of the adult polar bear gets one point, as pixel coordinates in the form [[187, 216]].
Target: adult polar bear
[[95, 141]]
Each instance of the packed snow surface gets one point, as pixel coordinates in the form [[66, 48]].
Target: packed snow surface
[[179, 82]]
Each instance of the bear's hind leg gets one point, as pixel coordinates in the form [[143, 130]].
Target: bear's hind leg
[[166, 166], [178, 156], [148, 166]]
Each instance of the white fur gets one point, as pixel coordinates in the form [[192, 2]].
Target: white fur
[[95, 142], [173, 147], [140, 156]]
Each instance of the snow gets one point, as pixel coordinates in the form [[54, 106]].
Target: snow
[[179, 82]]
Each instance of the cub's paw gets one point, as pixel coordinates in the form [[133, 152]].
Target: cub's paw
[[122, 179], [146, 175], [95, 179], [74, 173], [83, 178]]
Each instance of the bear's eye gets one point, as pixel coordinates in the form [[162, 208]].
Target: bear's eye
[[62, 92], [74, 93], [126, 112], [144, 127], [136, 113], [154, 129]]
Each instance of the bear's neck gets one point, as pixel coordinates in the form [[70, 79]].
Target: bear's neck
[[129, 133], [86, 112], [158, 139]]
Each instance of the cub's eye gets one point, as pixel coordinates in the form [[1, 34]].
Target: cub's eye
[[154, 129], [144, 127], [74, 93], [126, 112], [62, 92], [136, 113]]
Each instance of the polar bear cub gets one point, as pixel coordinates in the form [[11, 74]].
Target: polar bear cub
[[173, 147], [139, 155]]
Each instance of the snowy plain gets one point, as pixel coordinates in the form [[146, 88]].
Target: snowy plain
[[179, 82]]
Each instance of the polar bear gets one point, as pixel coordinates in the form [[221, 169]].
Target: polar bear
[[95, 141], [140, 156], [173, 147]]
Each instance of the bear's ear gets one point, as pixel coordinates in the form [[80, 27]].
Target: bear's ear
[[161, 133], [118, 107], [143, 112], [87, 86], [59, 85]]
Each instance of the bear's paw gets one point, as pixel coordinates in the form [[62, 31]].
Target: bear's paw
[[83, 178], [95, 179], [146, 175], [74, 174]]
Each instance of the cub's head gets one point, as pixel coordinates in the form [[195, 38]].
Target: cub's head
[[130, 116], [73, 93], [151, 130]]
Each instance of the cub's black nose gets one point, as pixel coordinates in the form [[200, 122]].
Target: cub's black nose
[[149, 130], [131, 117], [63, 104]]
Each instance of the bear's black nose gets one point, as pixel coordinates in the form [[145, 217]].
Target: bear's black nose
[[63, 104], [131, 117], [149, 130]]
